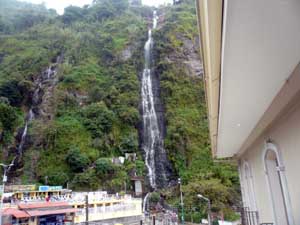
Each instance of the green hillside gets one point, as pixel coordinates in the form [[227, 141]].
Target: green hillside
[[92, 112]]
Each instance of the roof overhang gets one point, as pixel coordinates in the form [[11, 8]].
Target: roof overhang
[[210, 26], [259, 51], [15, 212], [51, 212]]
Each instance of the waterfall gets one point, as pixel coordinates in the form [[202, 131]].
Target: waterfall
[[145, 202], [44, 81], [152, 140], [30, 117], [151, 129]]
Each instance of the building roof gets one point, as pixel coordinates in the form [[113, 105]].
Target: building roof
[[15, 212], [42, 205], [259, 51], [33, 213], [137, 178]]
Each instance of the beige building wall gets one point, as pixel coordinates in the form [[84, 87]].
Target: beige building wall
[[284, 133]]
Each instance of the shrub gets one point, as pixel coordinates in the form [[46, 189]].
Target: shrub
[[104, 167], [98, 119], [76, 160]]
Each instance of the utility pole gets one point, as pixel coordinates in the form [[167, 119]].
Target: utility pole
[[208, 207], [181, 202], [86, 209], [4, 180]]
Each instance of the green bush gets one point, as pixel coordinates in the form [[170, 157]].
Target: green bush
[[11, 91], [8, 121], [154, 197], [77, 160], [97, 118], [104, 167]]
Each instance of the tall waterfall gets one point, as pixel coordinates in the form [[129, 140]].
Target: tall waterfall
[[155, 156]]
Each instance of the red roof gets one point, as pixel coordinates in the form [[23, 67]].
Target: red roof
[[42, 205], [50, 212], [15, 212]]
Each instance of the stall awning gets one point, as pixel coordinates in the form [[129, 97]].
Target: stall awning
[[15, 212], [50, 212], [42, 205]]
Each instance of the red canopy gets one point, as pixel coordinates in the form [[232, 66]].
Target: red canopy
[[50, 212], [15, 212], [42, 205]]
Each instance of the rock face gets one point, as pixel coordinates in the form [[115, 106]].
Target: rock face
[[40, 108], [127, 53], [189, 57]]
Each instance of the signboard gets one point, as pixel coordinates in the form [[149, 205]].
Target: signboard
[[55, 188], [15, 188], [50, 188], [138, 187], [43, 188]]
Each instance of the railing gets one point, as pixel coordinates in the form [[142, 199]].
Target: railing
[[249, 217]]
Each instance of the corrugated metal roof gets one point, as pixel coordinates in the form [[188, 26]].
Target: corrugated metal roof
[[42, 205], [50, 212], [15, 212]]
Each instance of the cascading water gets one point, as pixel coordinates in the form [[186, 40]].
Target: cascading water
[[24, 134], [150, 123], [145, 202], [152, 140], [46, 80]]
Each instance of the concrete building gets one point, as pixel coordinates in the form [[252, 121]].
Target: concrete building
[[42, 213], [53, 205], [251, 54]]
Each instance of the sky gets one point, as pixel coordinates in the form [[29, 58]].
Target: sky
[[59, 5]]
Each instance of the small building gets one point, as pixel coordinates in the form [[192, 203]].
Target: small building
[[42, 213], [137, 184], [28, 193], [14, 216], [104, 207]]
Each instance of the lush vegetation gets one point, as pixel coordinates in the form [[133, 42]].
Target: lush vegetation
[[187, 140], [94, 106], [95, 103]]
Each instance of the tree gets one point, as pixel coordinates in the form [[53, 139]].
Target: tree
[[73, 13], [11, 91], [128, 144], [97, 118], [76, 160], [8, 120], [104, 167]]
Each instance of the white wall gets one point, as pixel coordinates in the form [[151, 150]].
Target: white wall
[[285, 134]]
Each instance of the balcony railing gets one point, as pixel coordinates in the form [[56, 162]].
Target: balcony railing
[[249, 217]]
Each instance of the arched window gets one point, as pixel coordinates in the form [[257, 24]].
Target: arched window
[[275, 172], [248, 187]]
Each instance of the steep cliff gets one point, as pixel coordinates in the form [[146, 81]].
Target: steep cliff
[[71, 90]]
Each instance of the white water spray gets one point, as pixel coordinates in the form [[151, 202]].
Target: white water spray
[[150, 121]]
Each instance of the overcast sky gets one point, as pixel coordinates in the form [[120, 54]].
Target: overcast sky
[[59, 5]]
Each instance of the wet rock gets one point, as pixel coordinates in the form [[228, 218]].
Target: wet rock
[[126, 53], [187, 57]]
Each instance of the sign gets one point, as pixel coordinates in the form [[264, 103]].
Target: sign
[[43, 188], [15, 188], [50, 188], [55, 188]]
